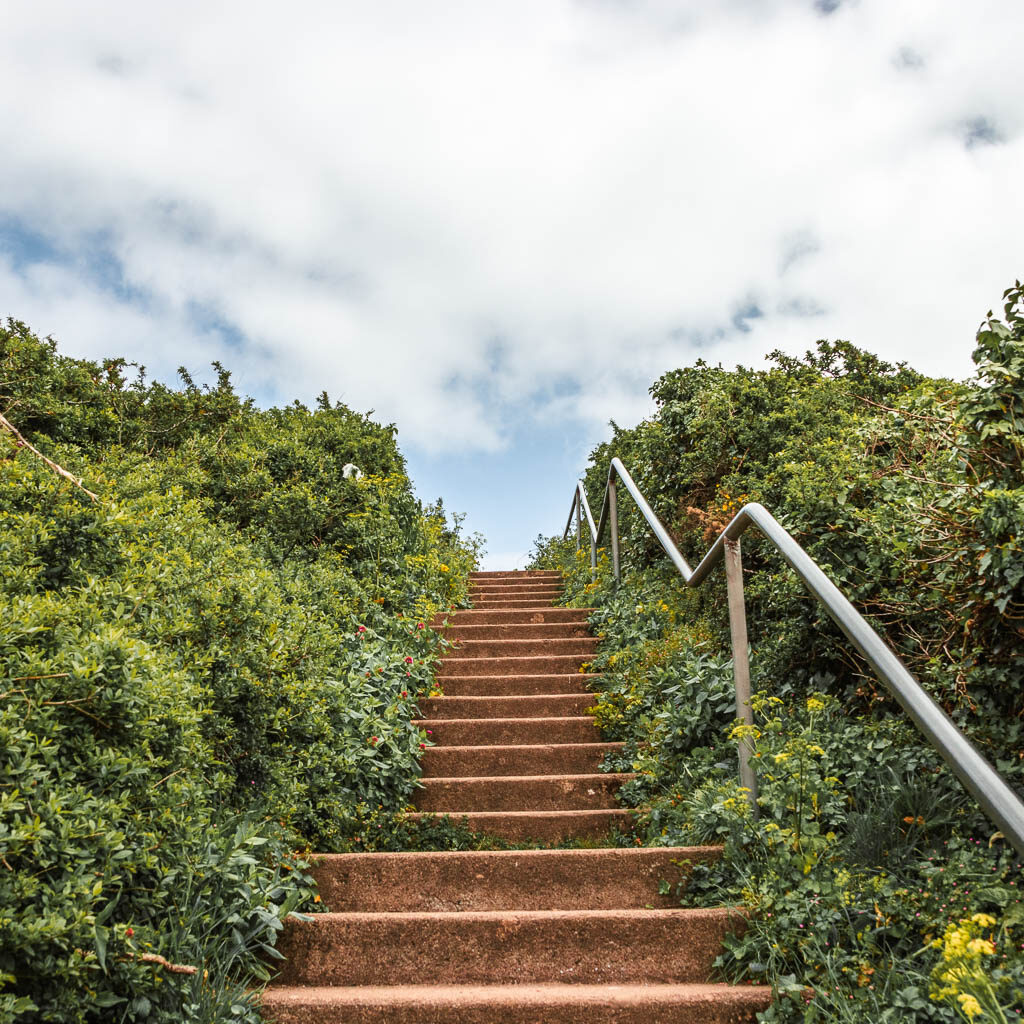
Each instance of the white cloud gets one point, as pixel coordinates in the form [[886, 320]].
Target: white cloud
[[437, 209]]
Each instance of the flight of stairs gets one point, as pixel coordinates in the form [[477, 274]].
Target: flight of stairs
[[522, 936]]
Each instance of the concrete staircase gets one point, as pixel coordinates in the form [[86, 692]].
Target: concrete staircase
[[579, 936]]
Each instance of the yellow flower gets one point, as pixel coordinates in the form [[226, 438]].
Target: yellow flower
[[813, 704], [979, 946], [782, 757], [985, 920], [444, 568], [744, 731], [969, 1005]]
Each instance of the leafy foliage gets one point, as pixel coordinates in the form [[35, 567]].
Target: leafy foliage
[[867, 859], [215, 664]]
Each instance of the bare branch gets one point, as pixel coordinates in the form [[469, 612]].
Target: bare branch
[[59, 470]]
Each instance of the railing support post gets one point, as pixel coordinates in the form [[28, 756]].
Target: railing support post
[[579, 521], [613, 518], [740, 662]]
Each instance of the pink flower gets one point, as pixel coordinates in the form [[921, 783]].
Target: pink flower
[[373, 739], [362, 629], [408, 661], [129, 932], [419, 625]]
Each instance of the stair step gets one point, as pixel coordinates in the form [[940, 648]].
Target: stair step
[[540, 826], [505, 880], [541, 705], [517, 631], [546, 758], [499, 603], [474, 732], [521, 793], [480, 947], [545, 594], [583, 646], [527, 665], [516, 1004], [515, 685], [490, 616], [484, 586], [515, 574]]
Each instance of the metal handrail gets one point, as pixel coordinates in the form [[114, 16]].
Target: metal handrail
[[978, 777]]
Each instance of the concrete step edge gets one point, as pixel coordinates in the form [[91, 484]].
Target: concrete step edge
[[579, 777], [497, 747], [639, 853], [426, 723], [459, 918]]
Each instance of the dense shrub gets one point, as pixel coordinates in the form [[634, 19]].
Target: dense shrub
[[211, 666], [879, 891]]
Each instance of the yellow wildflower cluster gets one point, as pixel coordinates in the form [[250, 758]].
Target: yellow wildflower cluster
[[960, 977], [744, 731], [730, 504]]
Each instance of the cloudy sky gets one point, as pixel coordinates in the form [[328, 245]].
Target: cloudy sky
[[495, 223]]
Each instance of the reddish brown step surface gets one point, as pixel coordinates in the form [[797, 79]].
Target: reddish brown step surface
[[521, 793], [515, 574], [506, 880], [578, 647], [475, 732], [515, 616], [524, 631], [533, 705], [530, 828], [521, 685], [486, 947], [526, 665], [518, 1004], [515, 759]]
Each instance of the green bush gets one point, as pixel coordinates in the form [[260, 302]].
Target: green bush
[[212, 666], [867, 864]]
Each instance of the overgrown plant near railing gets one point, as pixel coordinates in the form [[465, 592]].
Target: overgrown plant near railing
[[866, 848], [866, 854]]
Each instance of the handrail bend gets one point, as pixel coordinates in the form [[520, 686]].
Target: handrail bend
[[978, 777]]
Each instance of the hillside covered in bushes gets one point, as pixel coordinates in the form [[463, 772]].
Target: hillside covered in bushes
[[211, 648], [878, 890]]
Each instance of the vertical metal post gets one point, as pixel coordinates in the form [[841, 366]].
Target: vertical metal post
[[740, 661], [579, 520], [593, 558], [613, 519]]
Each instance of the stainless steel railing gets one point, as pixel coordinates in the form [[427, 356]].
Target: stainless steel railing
[[979, 778]]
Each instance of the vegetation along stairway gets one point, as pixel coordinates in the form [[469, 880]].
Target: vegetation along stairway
[[525, 935]]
